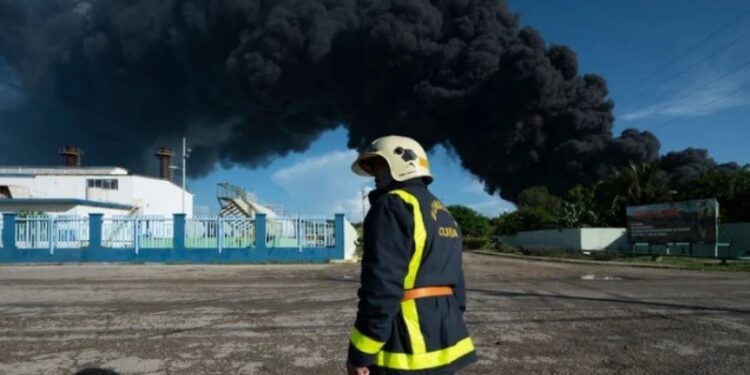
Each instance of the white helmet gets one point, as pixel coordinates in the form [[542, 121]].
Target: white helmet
[[405, 157]]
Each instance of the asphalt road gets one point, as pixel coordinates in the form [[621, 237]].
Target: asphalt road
[[526, 317]]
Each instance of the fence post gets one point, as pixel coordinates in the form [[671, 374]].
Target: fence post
[[260, 231], [51, 234], [299, 234], [219, 234], [178, 236], [9, 231], [95, 231], [339, 237], [136, 234]]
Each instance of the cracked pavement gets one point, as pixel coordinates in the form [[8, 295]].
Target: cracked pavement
[[525, 317]]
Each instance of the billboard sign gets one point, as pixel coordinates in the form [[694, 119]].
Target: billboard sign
[[690, 221]]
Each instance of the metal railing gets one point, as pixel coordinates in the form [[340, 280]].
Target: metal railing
[[1, 230], [118, 232], [70, 232], [219, 232], [50, 232], [155, 232], [300, 232], [137, 232]]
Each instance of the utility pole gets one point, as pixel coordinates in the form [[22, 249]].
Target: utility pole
[[185, 156], [184, 173]]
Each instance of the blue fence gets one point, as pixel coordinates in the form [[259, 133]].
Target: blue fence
[[42, 239]]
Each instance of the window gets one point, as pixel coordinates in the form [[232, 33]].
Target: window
[[106, 184]]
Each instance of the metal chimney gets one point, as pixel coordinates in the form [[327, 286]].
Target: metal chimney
[[165, 155], [72, 155]]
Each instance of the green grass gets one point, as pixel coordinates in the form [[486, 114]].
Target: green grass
[[678, 262], [695, 264]]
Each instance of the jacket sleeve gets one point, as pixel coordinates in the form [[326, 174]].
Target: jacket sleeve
[[460, 292], [388, 247]]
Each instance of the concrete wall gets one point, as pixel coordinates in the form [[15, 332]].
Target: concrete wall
[[615, 239], [593, 239], [739, 235], [547, 239], [350, 240], [587, 239]]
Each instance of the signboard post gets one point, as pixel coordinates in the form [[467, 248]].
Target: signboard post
[[675, 224]]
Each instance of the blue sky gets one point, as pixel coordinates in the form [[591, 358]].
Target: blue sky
[[696, 101], [702, 99]]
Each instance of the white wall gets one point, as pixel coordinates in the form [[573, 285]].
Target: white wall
[[160, 197], [155, 196], [604, 239], [588, 239], [546, 239], [350, 240]]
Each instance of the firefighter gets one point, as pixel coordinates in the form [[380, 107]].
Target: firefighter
[[412, 295]]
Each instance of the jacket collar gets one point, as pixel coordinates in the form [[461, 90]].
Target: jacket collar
[[377, 193]]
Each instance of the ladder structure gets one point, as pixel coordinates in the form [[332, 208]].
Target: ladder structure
[[236, 201]]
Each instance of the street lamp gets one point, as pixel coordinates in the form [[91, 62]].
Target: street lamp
[[185, 155]]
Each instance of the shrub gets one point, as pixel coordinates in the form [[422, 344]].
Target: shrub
[[475, 243], [605, 255], [471, 222], [505, 248]]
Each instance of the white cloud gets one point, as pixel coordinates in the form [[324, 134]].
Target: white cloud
[[493, 207], [325, 184], [474, 187], [702, 95]]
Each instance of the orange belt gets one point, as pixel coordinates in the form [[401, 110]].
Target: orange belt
[[430, 291]]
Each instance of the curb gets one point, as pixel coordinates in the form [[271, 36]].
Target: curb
[[573, 261]]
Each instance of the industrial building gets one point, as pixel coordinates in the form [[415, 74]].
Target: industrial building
[[49, 208], [72, 189]]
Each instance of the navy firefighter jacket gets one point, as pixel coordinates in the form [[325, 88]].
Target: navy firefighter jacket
[[410, 241]]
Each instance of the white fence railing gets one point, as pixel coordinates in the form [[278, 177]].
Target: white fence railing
[[300, 232], [219, 232], [137, 232], [118, 232], [69, 232], [50, 232]]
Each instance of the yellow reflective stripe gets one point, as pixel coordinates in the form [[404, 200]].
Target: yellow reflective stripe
[[364, 343], [420, 238], [437, 358], [409, 308], [411, 318]]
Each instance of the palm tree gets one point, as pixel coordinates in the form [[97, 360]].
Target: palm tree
[[636, 184]]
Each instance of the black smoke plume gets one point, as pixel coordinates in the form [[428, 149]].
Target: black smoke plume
[[249, 80]]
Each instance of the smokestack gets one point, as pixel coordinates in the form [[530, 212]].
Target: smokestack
[[165, 155], [72, 155]]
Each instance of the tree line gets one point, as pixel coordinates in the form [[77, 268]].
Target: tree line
[[603, 204]]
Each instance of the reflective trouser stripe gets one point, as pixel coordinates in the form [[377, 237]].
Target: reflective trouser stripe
[[437, 358], [364, 343], [409, 308]]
